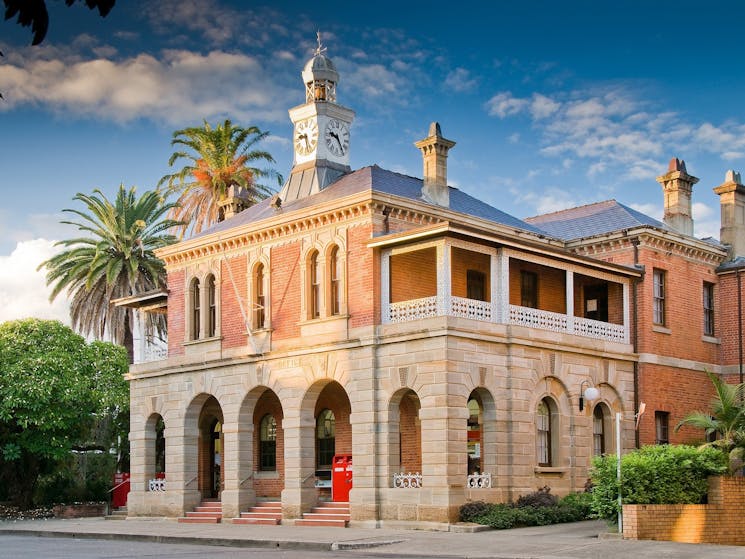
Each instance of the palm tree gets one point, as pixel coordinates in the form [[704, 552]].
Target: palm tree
[[725, 420], [115, 260], [219, 158]]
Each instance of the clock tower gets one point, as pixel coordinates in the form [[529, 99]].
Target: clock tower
[[321, 131]]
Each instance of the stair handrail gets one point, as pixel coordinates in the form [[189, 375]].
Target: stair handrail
[[192, 480], [245, 480], [118, 486]]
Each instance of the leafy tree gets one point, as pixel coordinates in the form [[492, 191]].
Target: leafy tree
[[56, 392], [217, 159], [115, 260], [33, 13], [725, 420]]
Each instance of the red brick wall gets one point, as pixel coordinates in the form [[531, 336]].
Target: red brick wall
[[464, 260], [411, 434], [285, 291], [361, 279], [551, 285], [676, 391], [719, 522], [176, 310], [269, 404], [232, 326], [726, 317], [414, 275]]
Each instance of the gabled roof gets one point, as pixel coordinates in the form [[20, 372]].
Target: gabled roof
[[374, 179], [593, 219]]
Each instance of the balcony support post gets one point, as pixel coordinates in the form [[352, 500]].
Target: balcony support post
[[570, 300]]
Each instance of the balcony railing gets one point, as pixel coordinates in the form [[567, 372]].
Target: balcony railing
[[416, 309]]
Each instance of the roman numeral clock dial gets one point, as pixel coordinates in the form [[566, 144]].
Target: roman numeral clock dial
[[306, 136], [336, 136]]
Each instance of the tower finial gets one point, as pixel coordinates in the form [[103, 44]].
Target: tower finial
[[320, 49]]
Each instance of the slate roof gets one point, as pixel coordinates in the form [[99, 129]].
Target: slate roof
[[592, 219], [375, 179]]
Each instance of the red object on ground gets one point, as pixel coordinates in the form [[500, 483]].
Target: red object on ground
[[341, 478], [121, 490]]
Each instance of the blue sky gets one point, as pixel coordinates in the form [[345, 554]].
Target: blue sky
[[552, 104]]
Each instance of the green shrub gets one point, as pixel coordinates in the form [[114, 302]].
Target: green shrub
[[540, 498], [474, 509], [659, 474], [540, 511]]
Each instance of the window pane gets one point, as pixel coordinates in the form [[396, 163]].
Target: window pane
[[659, 297], [543, 434], [708, 309], [475, 285], [529, 289]]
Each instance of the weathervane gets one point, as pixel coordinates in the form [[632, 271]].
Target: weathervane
[[321, 49]]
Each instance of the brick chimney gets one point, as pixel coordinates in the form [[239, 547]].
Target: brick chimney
[[677, 185], [732, 201], [236, 200], [435, 154]]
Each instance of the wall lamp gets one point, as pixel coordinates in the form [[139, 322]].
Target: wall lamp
[[590, 393]]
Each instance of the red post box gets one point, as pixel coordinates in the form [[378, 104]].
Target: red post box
[[121, 490], [341, 478]]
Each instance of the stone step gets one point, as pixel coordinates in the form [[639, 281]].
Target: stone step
[[272, 510], [330, 510], [256, 520], [324, 516], [199, 520], [320, 522], [212, 509], [203, 514], [262, 514]]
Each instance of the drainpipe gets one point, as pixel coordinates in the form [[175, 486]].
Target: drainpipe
[[739, 322], [635, 337]]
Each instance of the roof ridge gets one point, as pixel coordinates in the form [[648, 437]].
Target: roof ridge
[[574, 208]]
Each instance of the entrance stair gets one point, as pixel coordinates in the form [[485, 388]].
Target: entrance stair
[[329, 514], [209, 511], [265, 512], [117, 514]]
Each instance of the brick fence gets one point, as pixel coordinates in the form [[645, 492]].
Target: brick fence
[[720, 521]]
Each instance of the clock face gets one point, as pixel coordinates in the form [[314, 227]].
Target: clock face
[[337, 137], [306, 136]]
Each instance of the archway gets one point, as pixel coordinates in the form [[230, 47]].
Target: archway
[[211, 475]]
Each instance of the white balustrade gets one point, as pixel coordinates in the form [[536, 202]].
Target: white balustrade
[[600, 330], [470, 308], [413, 310], [462, 307], [407, 480], [158, 484], [478, 481], [536, 318]]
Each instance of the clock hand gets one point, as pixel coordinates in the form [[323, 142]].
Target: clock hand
[[335, 136]]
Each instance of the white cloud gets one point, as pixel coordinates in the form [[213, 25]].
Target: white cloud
[[23, 289], [505, 104], [172, 88], [613, 129], [652, 210], [460, 80]]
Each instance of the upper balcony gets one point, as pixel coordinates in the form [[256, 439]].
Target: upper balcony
[[454, 277]]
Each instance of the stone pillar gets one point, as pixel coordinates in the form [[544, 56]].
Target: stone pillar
[[502, 296], [570, 300], [299, 494], [444, 280], [732, 202], [677, 186], [237, 494]]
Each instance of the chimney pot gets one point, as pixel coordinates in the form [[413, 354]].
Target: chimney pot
[[434, 150]]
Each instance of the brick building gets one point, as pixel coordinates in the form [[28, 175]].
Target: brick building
[[443, 344]]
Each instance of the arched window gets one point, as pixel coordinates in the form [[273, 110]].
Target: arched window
[[314, 310], [211, 329], [196, 310], [474, 436], [160, 446], [326, 437], [544, 432], [334, 281], [259, 298], [598, 431], [268, 443]]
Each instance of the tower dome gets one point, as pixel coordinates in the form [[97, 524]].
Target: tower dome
[[320, 76]]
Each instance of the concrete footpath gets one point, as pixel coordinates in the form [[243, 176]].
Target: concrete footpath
[[577, 540]]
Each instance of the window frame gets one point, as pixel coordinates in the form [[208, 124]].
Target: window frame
[[659, 281], [476, 285], [259, 307], [268, 443], [211, 318], [334, 281], [195, 307], [598, 431], [662, 427], [314, 285], [544, 433], [325, 441], [708, 309], [528, 289]]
